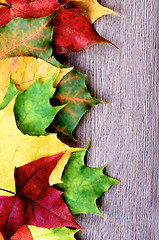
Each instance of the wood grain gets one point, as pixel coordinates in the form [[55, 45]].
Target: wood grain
[[124, 133]]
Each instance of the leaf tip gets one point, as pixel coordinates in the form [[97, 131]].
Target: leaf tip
[[87, 146]]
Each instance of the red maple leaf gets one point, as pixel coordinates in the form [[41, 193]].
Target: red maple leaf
[[73, 32], [26, 9], [35, 201]]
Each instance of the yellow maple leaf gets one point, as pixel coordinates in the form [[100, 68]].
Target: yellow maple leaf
[[17, 149], [25, 70], [91, 8]]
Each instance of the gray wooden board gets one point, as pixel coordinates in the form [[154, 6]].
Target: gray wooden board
[[123, 134]]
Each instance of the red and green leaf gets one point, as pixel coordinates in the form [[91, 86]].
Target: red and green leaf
[[27, 37], [73, 92]]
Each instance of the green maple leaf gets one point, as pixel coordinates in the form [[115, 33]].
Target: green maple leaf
[[73, 92], [27, 37], [32, 109], [59, 233], [82, 185]]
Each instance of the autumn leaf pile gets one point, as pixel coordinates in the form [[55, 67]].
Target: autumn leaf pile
[[43, 181]]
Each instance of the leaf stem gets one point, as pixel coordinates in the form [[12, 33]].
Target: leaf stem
[[5, 4], [7, 191]]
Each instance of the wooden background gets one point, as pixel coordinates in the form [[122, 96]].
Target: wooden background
[[123, 134]]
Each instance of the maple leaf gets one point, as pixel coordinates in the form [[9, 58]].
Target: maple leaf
[[91, 8], [24, 71], [32, 109], [59, 233], [18, 149], [73, 92], [27, 37], [35, 201], [73, 32], [11, 9], [83, 185]]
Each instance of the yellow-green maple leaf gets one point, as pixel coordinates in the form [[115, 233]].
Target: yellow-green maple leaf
[[59, 233]]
